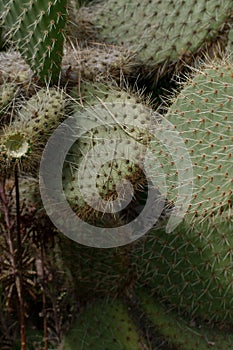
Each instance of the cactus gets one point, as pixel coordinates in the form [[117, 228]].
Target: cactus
[[95, 63], [115, 325], [96, 272], [191, 267], [129, 121], [112, 272], [202, 115], [7, 94], [79, 24], [181, 333], [98, 63], [162, 33], [230, 43], [104, 326], [36, 29], [13, 68], [23, 140]]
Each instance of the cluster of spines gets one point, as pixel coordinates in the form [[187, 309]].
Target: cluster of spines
[[7, 94], [13, 68]]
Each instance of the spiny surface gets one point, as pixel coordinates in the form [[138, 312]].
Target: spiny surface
[[98, 63], [191, 267], [181, 333], [112, 151], [202, 114], [96, 272], [159, 31], [13, 68], [7, 94], [104, 326], [22, 142], [36, 29]]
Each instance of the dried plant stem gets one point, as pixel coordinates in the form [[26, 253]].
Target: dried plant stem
[[45, 326], [15, 259], [18, 276]]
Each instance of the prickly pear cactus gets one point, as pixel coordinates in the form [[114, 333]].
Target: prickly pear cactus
[[23, 140], [121, 131], [230, 43], [202, 114], [94, 63], [13, 68], [36, 29], [179, 332], [96, 272], [7, 93], [98, 63], [104, 326], [191, 266], [161, 32]]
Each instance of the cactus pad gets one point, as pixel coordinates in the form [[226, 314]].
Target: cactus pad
[[161, 32], [36, 29], [191, 266], [128, 120], [104, 326], [24, 139]]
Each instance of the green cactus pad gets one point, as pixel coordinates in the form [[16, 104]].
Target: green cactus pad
[[183, 334], [24, 139], [128, 120], [96, 272], [36, 29], [191, 269], [202, 114], [161, 32], [191, 266], [104, 326]]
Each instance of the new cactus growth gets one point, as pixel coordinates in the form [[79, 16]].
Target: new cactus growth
[[36, 29], [23, 140], [161, 32], [191, 267]]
